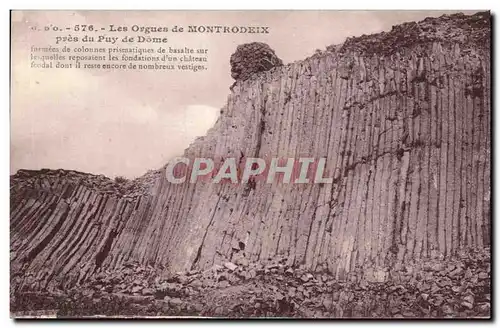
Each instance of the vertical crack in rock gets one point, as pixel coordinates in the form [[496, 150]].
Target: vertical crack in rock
[[101, 256], [39, 248], [200, 248]]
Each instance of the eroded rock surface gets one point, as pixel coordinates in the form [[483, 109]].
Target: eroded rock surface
[[251, 58]]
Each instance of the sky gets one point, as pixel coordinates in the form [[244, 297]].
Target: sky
[[123, 123]]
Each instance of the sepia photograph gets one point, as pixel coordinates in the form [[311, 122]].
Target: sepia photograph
[[302, 164]]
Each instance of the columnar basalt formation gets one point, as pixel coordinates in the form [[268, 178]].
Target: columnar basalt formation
[[403, 118]]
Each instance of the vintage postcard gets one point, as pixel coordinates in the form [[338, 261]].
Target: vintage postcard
[[250, 164]]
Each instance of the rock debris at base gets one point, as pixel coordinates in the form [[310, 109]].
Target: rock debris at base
[[456, 288]]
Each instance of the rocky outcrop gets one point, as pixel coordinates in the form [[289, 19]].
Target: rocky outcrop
[[403, 119], [251, 58], [464, 30]]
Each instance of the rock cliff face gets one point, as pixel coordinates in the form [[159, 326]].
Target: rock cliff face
[[403, 118]]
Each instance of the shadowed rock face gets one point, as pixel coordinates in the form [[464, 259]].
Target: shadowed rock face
[[251, 58], [405, 128]]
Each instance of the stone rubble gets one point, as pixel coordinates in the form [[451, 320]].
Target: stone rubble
[[455, 288]]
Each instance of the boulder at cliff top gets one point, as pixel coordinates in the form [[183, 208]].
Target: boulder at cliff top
[[251, 58]]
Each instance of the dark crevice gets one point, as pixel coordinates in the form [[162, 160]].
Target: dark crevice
[[103, 253], [40, 247], [198, 253]]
